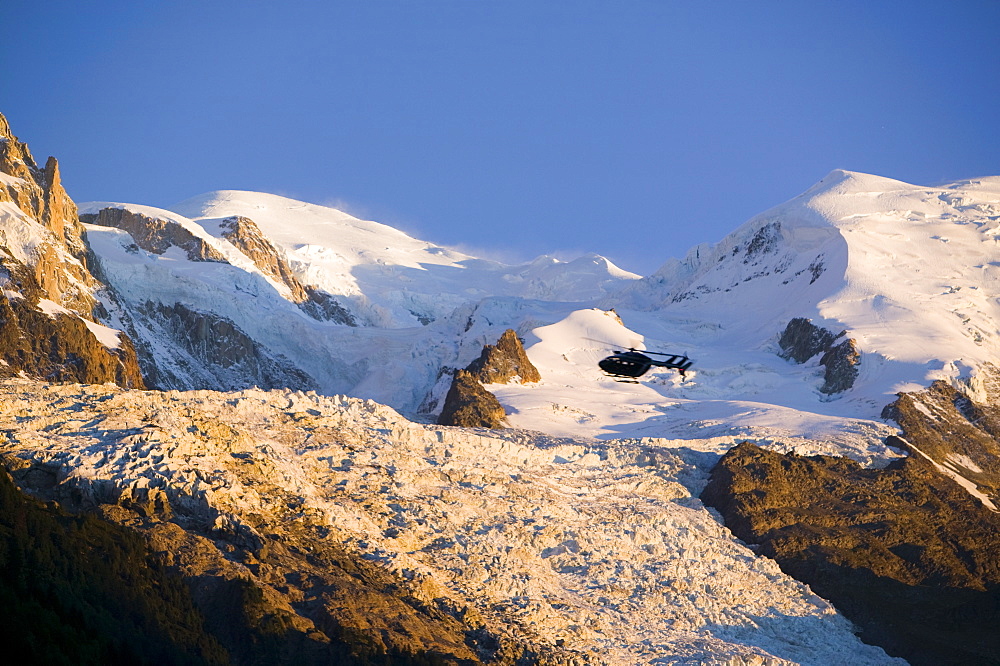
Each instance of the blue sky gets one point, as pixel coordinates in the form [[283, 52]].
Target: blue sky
[[631, 129]]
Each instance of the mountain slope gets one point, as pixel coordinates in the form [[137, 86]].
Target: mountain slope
[[516, 546], [908, 271], [231, 302]]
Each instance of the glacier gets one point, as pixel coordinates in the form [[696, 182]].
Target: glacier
[[595, 549]]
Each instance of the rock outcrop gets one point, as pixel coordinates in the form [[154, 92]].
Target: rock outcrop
[[959, 435], [802, 340], [42, 230], [155, 234], [841, 363], [503, 362], [158, 234], [247, 237], [187, 347], [44, 340], [48, 308], [469, 405], [904, 552]]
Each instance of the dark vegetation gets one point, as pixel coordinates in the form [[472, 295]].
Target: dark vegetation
[[80, 590]]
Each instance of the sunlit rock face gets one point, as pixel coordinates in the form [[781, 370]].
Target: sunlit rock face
[[503, 362], [154, 234], [905, 552], [158, 234], [40, 226], [48, 303], [247, 237], [956, 430], [468, 403]]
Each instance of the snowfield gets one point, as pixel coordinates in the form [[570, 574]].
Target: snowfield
[[909, 272]]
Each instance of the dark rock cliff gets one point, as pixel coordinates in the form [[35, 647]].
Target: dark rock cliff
[[841, 362], [208, 351], [469, 405], [801, 340], [904, 552], [910, 553]]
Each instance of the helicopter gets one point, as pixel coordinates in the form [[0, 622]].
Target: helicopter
[[635, 363]]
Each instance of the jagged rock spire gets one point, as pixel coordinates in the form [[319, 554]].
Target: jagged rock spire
[[48, 304], [5, 128]]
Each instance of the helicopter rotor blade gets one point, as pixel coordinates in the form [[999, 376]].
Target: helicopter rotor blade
[[610, 345], [646, 351]]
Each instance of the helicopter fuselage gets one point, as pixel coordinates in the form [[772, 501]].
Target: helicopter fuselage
[[633, 363]]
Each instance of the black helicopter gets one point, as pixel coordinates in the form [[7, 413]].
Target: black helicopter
[[634, 363]]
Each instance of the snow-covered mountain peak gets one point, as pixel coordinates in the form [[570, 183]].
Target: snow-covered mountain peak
[[849, 239], [908, 272], [302, 227], [905, 270], [844, 181], [411, 279]]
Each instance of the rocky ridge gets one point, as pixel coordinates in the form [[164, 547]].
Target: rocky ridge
[[247, 237], [957, 430], [53, 245], [48, 306], [504, 362], [908, 551], [155, 234], [469, 405]]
